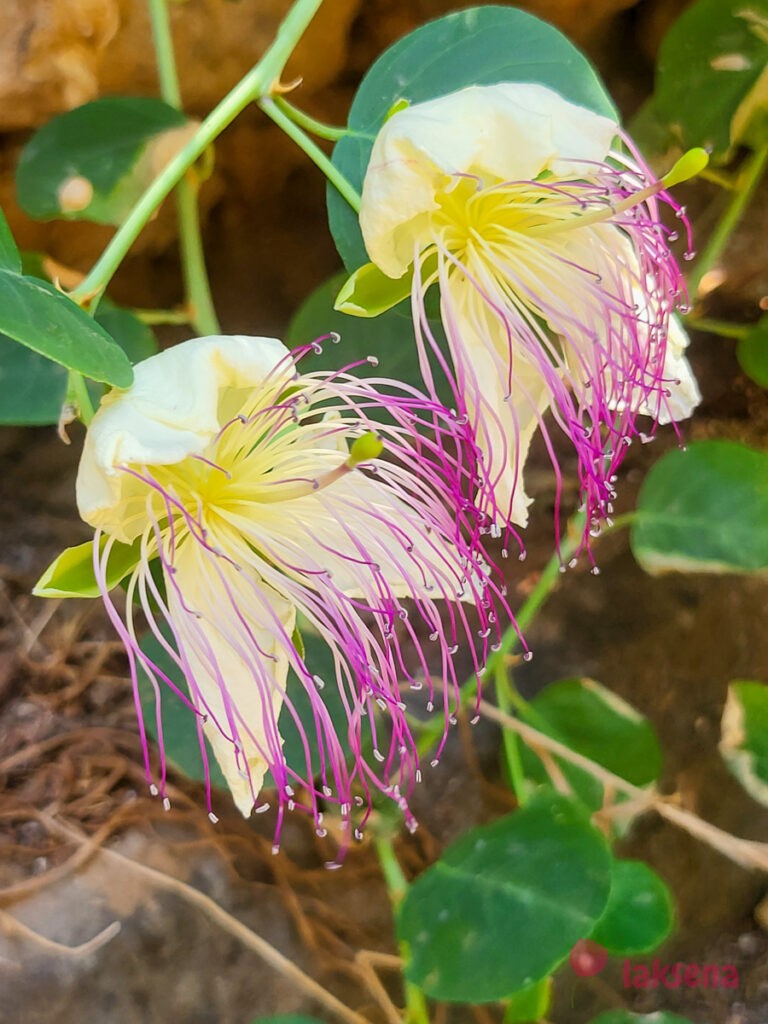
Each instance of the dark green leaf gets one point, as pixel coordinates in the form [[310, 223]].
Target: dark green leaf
[[655, 137], [478, 46], [752, 352], [94, 162], [704, 510], [39, 316], [134, 337], [593, 721], [10, 257], [504, 905], [180, 735], [639, 915], [32, 388], [597, 723], [744, 742], [711, 75]]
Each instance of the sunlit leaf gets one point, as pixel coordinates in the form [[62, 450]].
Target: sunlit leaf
[[36, 314], [711, 83], [388, 337], [368, 292], [744, 742], [530, 1004], [71, 574], [94, 162]]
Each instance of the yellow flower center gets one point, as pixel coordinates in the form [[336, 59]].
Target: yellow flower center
[[266, 454]]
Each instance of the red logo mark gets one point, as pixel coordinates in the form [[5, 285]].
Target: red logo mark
[[587, 958]]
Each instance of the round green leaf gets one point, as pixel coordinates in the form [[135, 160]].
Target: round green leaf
[[752, 352], [639, 915], [711, 83], [704, 509], [39, 316], [597, 723], [32, 388], [744, 742], [504, 905], [625, 1017], [98, 146], [478, 46]]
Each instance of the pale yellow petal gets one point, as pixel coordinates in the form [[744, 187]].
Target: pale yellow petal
[[504, 132], [231, 632], [507, 406]]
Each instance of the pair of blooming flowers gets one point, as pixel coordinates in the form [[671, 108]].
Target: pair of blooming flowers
[[264, 492]]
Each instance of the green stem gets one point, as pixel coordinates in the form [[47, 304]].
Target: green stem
[[510, 742], [253, 85], [309, 123], [723, 180], [416, 1009], [748, 180], [721, 327], [162, 316], [77, 394], [313, 151], [196, 284], [166, 61]]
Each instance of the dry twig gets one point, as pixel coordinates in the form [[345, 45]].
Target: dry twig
[[744, 852], [214, 912]]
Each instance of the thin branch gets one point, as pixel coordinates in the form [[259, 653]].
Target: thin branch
[[86, 849], [365, 961], [12, 926], [744, 852], [271, 956]]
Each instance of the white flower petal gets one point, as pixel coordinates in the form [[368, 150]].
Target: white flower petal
[[505, 132], [684, 394], [172, 410]]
